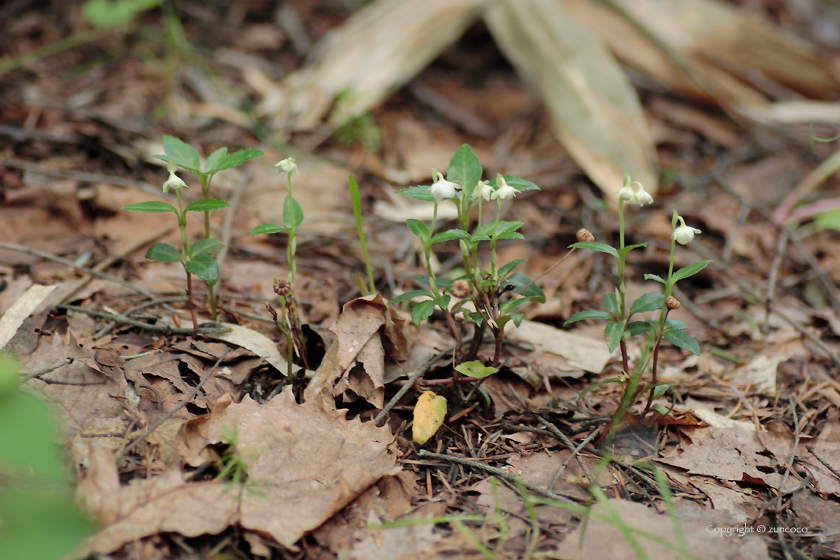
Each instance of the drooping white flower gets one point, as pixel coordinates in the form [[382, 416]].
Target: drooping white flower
[[638, 197], [287, 165], [642, 196], [503, 190], [684, 234], [174, 181], [441, 188], [483, 190]]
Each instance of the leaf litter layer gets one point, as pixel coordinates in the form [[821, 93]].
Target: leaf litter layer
[[754, 437]]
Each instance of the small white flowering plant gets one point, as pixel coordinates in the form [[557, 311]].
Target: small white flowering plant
[[496, 293], [620, 324], [289, 322], [196, 258]]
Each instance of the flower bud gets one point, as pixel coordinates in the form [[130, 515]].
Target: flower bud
[[672, 303], [460, 288], [282, 287], [584, 234], [441, 188]]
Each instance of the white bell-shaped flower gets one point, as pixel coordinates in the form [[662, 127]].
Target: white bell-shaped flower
[[483, 190], [441, 188], [503, 190], [174, 181], [684, 234], [287, 166]]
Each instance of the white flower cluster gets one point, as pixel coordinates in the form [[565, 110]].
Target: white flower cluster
[[639, 197], [287, 166], [442, 189]]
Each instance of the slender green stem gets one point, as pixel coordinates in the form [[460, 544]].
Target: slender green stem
[[357, 214], [211, 291], [427, 250], [621, 262], [493, 243], [292, 246], [182, 224]]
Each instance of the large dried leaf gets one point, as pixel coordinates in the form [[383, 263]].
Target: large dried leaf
[[595, 111], [304, 465], [711, 47], [376, 51]]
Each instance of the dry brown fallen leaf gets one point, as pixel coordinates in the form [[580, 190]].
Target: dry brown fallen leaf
[[304, 465], [599, 539], [84, 394], [354, 365], [732, 453]]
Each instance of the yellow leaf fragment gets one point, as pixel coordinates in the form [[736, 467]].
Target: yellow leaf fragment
[[428, 416]]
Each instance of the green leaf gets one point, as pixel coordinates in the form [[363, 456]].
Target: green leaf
[[613, 334], [595, 246], [268, 228], [647, 302], [655, 278], [292, 213], [409, 295], [517, 183], [443, 301], [674, 325], [450, 235], [525, 287], [475, 369], [630, 248], [828, 220], [690, 270], [475, 317], [207, 204], [205, 246], [151, 206], [418, 228], [512, 305], [107, 14], [587, 314], [161, 252], [419, 192], [510, 266], [465, 169], [441, 282], [422, 310], [611, 304], [638, 327], [596, 385], [182, 154], [683, 340], [228, 161], [516, 318], [205, 267], [503, 227], [214, 159], [510, 235]]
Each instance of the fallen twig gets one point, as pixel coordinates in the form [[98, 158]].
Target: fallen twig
[[501, 473], [141, 324]]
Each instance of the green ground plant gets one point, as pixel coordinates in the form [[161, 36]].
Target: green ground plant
[[197, 258], [619, 323], [288, 322]]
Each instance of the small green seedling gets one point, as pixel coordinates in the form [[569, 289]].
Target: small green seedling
[[619, 325], [289, 322], [185, 156]]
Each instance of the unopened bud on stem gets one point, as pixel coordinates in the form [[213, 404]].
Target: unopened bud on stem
[[672, 303], [282, 287], [585, 235], [460, 289]]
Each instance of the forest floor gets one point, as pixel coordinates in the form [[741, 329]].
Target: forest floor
[[200, 448]]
